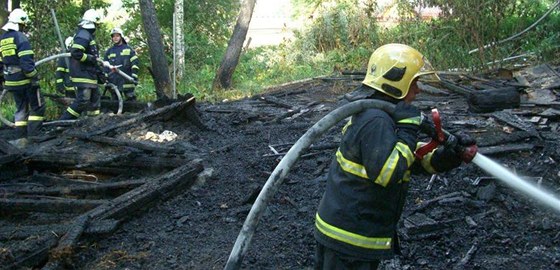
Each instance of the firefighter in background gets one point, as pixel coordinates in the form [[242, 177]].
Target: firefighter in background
[[62, 74], [85, 72], [20, 76], [123, 57], [356, 221]]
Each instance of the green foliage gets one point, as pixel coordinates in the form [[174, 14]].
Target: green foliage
[[346, 33], [207, 27]]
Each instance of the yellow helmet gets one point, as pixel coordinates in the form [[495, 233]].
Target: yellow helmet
[[392, 68]]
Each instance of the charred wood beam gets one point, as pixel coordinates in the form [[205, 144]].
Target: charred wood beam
[[8, 148], [93, 228], [465, 260], [432, 90], [353, 72], [9, 158], [516, 136], [457, 88], [54, 180], [491, 100], [67, 161], [8, 152], [96, 189], [163, 112], [160, 188], [30, 252], [60, 205], [344, 78], [149, 147], [65, 248], [500, 149], [516, 121], [276, 101]]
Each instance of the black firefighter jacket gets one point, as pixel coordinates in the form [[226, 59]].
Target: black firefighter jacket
[[16, 62], [84, 70], [366, 188], [124, 58]]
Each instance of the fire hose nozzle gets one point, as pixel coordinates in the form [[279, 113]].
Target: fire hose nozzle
[[439, 136], [468, 153]]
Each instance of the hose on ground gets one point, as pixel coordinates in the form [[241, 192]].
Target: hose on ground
[[271, 186]]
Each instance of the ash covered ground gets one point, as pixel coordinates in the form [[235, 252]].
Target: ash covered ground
[[462, 219], [448, 223]]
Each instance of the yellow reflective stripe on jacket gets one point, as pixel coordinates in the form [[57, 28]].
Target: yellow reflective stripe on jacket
[[72, 112], [351, 166], [405, 152], [62, 69], [351, 238], [31, 74], [26, 52], [20, 123], [133, 58], [84, 58], [17, 83], [59, 80], [83, 80], [96, 112], [349, 123], [9, 47], [36, 118], [391, 163], [78, 46], [135, 66], [128, 85], [126, 52], [7, 41], [412, 120]]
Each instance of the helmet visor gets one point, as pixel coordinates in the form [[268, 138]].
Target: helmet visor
[[427, 73]]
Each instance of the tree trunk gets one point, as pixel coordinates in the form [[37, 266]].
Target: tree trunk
[[235, 44], [160, 70], [4, 12], [180, 38]]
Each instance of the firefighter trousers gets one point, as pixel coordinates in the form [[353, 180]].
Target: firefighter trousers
[[328, 259], [30, 111], [87, 100]]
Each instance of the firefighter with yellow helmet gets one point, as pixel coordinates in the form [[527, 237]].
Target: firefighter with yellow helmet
[[356, 221]]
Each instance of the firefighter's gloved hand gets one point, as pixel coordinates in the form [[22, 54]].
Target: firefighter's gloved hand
[[407, 118], [90, 58], [449, 156], [102, 78]]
